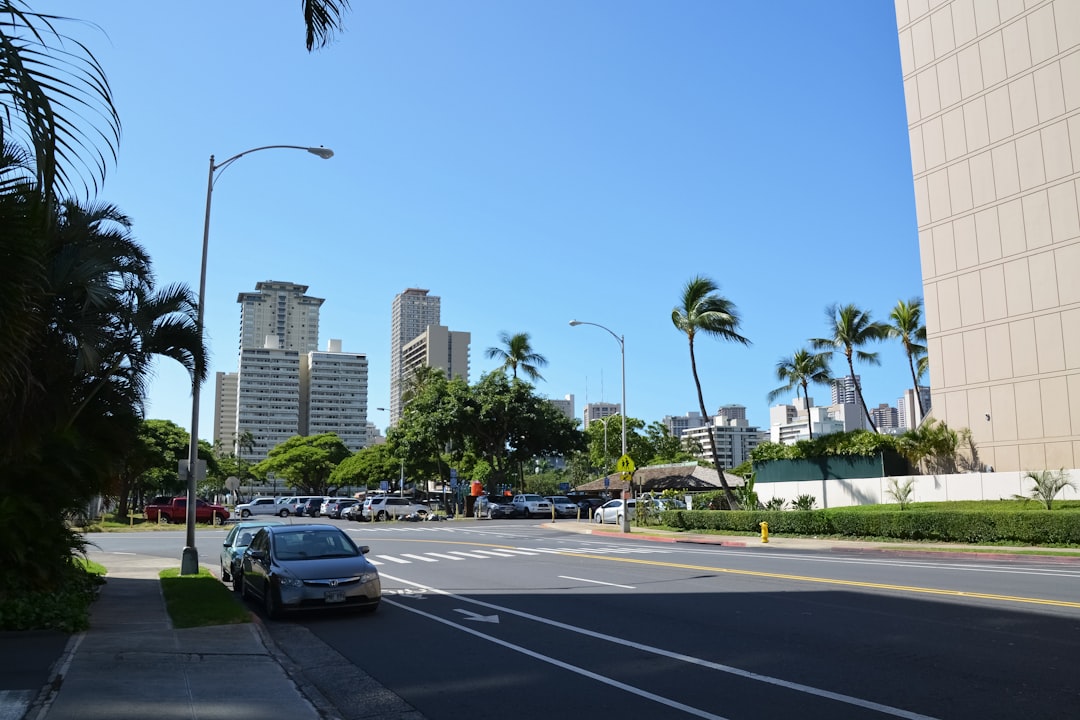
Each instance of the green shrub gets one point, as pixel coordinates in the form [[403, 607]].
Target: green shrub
[[63, 604]]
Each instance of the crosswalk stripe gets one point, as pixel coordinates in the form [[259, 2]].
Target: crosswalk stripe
[[495, 553], [472, 555], [421, 558], [391, 558], [445, 557]]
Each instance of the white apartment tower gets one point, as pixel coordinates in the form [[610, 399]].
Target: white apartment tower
[[844, 390], [993, 111], [333, 388], [225, 389], [598, 411], [436, 347], [412, 312], [281, 309], [268, 398]]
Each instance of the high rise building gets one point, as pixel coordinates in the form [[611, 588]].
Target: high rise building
[[566, 405], [411, 313], [886, 418], [844, 391], [333, 391], [225, 389], [436, 347], [268, 398], [907, 407], [281, 309], [676, 426], [993, 110], [734, 439], [599, 410]]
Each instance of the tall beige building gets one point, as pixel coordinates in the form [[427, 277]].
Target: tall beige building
[[436, 347], [283, 310], [411, 313], [993, 103], [226, 387]]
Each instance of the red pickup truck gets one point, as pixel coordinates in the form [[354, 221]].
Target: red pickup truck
[[175, 511]]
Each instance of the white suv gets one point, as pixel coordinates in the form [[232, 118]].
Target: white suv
[[531, 505], [263, 506], [385, 507]]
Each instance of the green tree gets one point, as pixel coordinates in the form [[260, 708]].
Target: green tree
[[851, 329], [1047, 485], [932, 446], [801, 369], [702, 310], [367, 467], [665, 447], [517, 353], [906, 325], [306, 462]]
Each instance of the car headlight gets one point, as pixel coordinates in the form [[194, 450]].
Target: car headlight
[[287, 580], [369, 577]]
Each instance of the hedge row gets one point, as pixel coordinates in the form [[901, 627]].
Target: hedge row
[[1025, 528]]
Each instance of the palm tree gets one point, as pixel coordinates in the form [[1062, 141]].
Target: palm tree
[[701, 310], [517, 352], [801, 369], [851, 329], [907, 326]]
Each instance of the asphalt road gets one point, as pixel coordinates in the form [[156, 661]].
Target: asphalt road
[[505, 619]]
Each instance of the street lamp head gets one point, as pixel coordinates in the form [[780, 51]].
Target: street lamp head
[[575, 323], [324, 153]]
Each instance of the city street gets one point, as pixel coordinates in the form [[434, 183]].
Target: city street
[[500, 619]]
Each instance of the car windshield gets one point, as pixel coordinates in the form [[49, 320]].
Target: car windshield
[[312, 545]]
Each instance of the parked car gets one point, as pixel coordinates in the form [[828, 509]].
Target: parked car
[[336, 506], [296, 503], [310, 566], [532, 505], [263, 506], [564, 506], [354, 511], [612, 511], [495, 507], [175, 511], [384, 507], [312, 508], [236, 542]]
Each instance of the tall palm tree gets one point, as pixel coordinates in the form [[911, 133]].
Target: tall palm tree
[[701, 310], [801, 369], [518, 353], [906, 325], [851, 329]]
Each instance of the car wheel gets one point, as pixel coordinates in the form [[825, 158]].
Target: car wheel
[[619, 520], [226, 576], [271, 603], [164, 519], [245, 513], [381, 516], [598, 518], [244, 594], [284, 513], [527, 514]]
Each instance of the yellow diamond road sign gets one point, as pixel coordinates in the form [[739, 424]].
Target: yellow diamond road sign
[[625, 464]]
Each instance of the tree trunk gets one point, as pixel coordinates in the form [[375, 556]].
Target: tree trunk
[[858, 392], [809, 420], [733, 503]]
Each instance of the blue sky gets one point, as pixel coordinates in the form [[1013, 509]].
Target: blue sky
[[530, 163]]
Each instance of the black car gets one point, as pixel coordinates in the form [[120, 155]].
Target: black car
[[311, 508]]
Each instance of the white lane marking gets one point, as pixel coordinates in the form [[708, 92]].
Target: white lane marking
[[516, 551], [737, 672], [445, 557], [559, 663], [568, 577], [495, 553], [421, 558], [373, 561], [391, 558], [472, 555], [470, 615]]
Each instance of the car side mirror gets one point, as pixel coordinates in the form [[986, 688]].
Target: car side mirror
[[364, 549], [259, 555]]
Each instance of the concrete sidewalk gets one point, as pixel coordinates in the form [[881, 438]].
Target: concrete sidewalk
[[133, 664]]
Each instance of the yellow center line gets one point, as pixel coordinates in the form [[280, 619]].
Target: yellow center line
[[782, 576]]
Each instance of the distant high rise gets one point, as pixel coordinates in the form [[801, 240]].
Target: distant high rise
[[412, 312], [333, 391], [844, 392], [885, 417], [908, 408], [676, 426], [281, 309], [268, 398], [436, 347], [566, 405], [599, 410], [225, 388]]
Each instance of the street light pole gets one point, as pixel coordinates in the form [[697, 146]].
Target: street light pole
[[622, 351], [189, 560]]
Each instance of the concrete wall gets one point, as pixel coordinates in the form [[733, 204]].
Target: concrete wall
[[928, 488]]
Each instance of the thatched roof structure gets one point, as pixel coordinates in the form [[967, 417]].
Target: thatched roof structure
[[656, 478]]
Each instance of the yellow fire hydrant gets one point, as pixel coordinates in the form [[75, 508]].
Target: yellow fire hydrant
[[764, 532]]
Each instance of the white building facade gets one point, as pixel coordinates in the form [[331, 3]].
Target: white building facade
[[333, 388], [268, 398]]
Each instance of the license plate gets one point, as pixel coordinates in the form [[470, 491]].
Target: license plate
[[335, 596]]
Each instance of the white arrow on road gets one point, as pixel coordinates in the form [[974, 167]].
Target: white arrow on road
[[470, 615]]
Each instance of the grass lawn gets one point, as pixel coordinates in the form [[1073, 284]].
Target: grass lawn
[[199, 600]]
